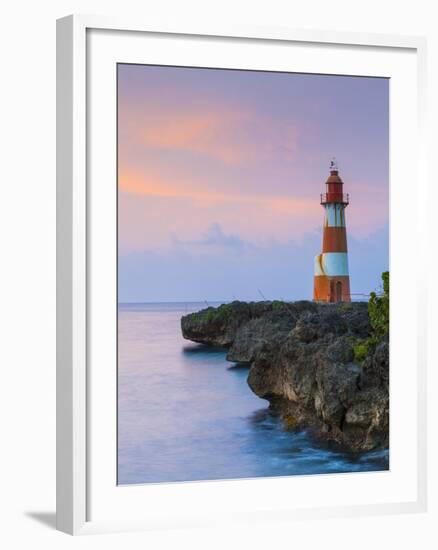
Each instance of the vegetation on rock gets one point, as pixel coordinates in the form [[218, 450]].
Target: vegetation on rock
[[278, 305], [222, 313], [378, 310]]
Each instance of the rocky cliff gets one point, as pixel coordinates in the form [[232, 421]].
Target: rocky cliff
[[302, 360]]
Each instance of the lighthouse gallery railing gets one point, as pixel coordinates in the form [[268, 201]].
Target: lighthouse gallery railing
[[340, 198]]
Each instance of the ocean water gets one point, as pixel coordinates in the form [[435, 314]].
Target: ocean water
[[186, 414]]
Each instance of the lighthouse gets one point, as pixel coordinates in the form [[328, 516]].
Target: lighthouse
[[332, 280]]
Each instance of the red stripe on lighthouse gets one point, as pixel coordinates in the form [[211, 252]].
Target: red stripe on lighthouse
[[334, 239]]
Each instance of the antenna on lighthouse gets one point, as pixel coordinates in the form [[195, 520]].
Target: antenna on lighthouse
[[333, 165]]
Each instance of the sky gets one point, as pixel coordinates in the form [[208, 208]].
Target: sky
[[219, 178]]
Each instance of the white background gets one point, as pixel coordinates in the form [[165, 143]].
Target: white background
[[27, 218]]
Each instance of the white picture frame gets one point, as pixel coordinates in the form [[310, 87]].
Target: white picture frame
[[75, 217]]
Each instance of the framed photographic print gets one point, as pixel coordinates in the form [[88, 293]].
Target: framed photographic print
[[240, 283]]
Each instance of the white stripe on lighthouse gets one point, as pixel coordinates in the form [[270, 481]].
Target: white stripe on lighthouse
[[334, 215], [331, 264]]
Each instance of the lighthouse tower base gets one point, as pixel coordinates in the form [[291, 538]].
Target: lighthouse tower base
[[331, 289]]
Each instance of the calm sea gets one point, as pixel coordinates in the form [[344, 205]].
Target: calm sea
[[185, 413]]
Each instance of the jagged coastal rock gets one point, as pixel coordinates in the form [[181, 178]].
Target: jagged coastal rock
[[302, 360]]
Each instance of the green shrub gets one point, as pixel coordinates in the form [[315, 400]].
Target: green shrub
[[363, 348], [378, 309], [278, 305], [221, 314]]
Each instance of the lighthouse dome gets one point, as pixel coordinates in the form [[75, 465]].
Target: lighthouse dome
[[334, 177]]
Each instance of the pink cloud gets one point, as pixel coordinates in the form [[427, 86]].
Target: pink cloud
[[153, 186], [222, 132], [212, 134]]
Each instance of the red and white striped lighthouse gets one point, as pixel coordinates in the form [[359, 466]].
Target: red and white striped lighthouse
[[332, 280]]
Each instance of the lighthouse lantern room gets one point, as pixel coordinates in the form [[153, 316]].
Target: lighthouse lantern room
[[331, 280]]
